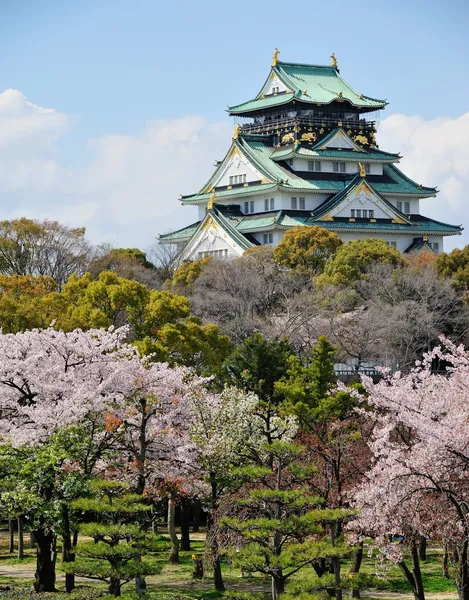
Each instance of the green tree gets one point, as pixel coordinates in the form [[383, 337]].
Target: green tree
[[189, 343], [115, 555], [352, 260], [46, 248], [455, 266], [188, 272], [307, 249], [257, 364], [305, 386], [281, 524], [37, 483], [24, 302]]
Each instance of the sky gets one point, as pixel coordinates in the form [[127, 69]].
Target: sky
[[111, 109]]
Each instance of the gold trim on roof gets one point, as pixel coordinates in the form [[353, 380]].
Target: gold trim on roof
[[275, 57]]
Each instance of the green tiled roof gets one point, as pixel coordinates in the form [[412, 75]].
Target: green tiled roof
[[309, 83], [417, 245], [286, 219], [369, 156], [225, 193], [260, 151], [181, 234], [325, 208], [423, 225], [401, 183]]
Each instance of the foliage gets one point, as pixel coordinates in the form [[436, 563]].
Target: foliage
[[278, 528], [455, 266], [24, 302], [307, 249], [130, 263], [352, 260], [45, 248], [115, 555], [257, 364], [188, 343], [188, 272], [418, 482]]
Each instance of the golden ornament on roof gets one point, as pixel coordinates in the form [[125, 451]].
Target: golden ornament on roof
[[211, 201], [362, 169], [339, 94], [334, 61], [237, 131], [275, 57]]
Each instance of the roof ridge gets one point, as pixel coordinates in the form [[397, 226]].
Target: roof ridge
[[297, 64]]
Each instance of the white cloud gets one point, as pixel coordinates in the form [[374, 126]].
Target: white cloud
[[21, 120], [128, 189], [435, 153]]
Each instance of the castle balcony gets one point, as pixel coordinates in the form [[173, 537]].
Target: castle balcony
[[271, 126]]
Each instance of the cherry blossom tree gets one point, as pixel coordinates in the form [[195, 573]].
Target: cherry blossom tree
[[50, 380], [419, 480]]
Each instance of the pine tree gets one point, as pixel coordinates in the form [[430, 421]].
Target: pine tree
[[115, 555], [280, 526]]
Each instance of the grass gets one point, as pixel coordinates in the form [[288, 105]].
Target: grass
[[177, 579]]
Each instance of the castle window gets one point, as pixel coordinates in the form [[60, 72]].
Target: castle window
[[235, 179], [407, 208], [272, 203], [294, 203], [290, 162], [302, 203], [252, 205], [436, 247], [314, 165], [367, 168], [365, 213], [399, 206], [391, 244], [266, 204], [352, 213], [275, 90], [246, 207], [268, 238], [371, 214], [220, 254], [338, 167], [358, 212]]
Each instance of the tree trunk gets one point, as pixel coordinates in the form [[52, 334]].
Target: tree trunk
[[185, 525], [20, 537], [174, 554], [423, 548], [45, 568], [414, 577], [11, 535], [217, 574], [463, 573], [114, 587], [75, 538], [32, 540], [196, 516], [417, 572], [67, 553], [335, 562], [278, 585], [357, 561], [445, 566]]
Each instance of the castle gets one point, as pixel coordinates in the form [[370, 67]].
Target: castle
[[305, 153]]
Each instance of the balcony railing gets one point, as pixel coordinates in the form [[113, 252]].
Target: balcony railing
[[272, 126]]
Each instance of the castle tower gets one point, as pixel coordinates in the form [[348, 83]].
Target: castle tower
[[305, 153]]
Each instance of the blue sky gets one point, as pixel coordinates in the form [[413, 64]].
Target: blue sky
[[124, 75]]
